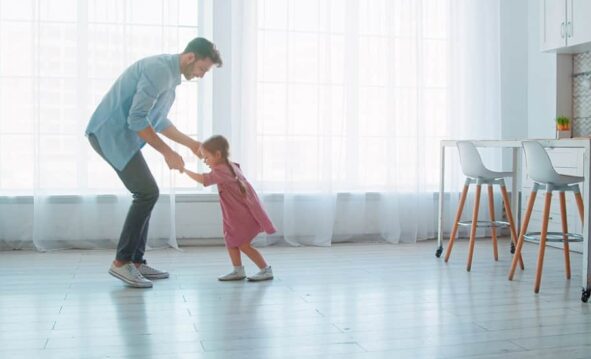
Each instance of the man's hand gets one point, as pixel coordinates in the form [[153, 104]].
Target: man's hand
[[196, 148], [174, 161]]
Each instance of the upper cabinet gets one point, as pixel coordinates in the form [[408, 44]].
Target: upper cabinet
[[565, 25], [578, 24], [553, 24]]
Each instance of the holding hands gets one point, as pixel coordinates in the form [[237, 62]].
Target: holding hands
[[174, 161], [172, 158], [198, 151]]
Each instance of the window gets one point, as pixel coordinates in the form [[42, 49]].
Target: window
[[57, 60], [358, 86]]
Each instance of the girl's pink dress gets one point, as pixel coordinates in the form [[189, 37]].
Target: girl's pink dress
[[244, 216]]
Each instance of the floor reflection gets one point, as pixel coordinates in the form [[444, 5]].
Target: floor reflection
[[132, 319]]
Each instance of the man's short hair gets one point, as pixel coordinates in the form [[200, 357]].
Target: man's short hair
[[203, 49]]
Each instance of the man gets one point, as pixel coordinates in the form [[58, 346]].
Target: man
[[130, 115]]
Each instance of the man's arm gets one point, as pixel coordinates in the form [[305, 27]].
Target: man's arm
[[144, 99], [173, 159], [177, 136]]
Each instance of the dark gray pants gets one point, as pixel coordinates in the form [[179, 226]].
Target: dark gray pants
[[138, 179]]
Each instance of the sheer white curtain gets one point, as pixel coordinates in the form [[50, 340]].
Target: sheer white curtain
[[343, 103], [474, 95], [57, 59]]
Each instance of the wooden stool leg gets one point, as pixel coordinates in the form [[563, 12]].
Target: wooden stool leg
[[543, 235], [579, 201], [565, 236], [454, 229], [528, 211], [493, 229], [474, 225], [507, 204]]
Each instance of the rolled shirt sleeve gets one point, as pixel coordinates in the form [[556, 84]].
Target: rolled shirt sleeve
[[147, 92], [162, 125], [158, 114]]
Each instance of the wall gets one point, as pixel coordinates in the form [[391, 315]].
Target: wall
[[514, 74], [541, 80], [514, 62]]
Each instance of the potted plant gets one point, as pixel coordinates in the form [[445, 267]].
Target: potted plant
[[563, 128]]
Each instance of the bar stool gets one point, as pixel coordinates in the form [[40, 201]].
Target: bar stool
[[477, 173], [541, 171]]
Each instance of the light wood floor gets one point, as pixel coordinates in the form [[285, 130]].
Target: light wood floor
[[348, 301]]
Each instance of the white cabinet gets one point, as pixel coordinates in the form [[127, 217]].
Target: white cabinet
[[565, 25], [553, 23], [578, 22]]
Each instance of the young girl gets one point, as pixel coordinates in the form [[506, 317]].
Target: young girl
[[243, 215]]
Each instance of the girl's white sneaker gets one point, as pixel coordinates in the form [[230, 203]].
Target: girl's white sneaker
[[263, 274], [236, 274]]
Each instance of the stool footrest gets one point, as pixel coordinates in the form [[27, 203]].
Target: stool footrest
[[484, 224], [554, 237]]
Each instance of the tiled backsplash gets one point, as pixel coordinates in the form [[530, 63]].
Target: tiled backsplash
[[582, 94]]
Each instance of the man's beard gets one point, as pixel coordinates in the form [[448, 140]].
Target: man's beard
[[188, 70]]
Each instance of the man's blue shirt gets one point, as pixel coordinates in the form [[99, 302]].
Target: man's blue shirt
[[141, 97]]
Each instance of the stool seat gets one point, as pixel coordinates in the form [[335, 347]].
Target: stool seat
[[540, 168], [492, 178], [472, 165], [559, 180], [491, 175]]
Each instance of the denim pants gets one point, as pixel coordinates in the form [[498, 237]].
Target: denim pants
[[138, 179]]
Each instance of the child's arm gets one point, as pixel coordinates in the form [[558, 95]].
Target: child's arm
[[196, 176]]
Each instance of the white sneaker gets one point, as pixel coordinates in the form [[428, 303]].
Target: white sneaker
[[264, 274], [130, 275], [152, 273], [236, 274]]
